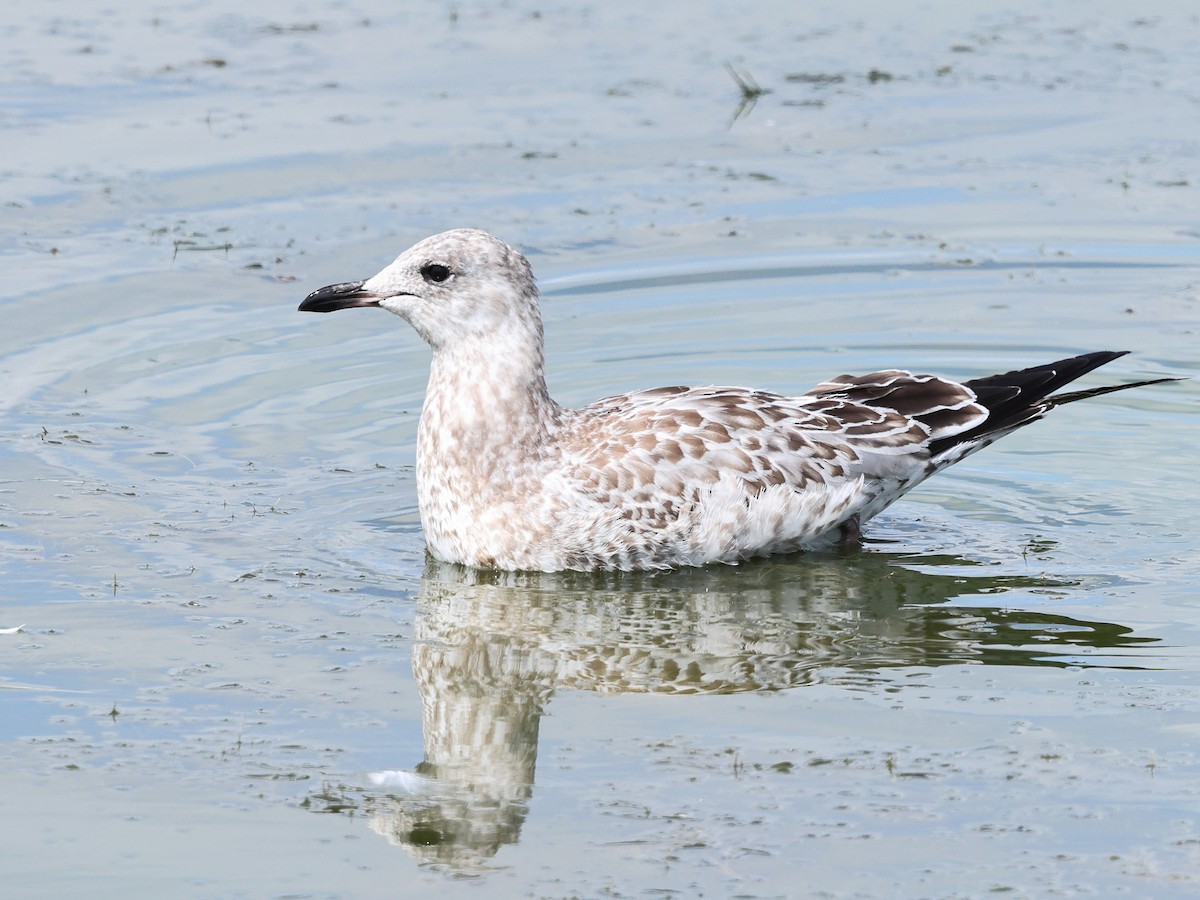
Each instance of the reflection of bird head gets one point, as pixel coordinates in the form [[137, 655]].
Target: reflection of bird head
[[455, 827]]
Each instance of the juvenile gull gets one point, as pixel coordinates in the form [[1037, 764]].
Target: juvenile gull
[[673, 476]]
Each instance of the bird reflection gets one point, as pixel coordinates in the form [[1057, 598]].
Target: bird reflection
[[492, 647]]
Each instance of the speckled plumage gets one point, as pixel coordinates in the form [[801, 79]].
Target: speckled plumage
[[667, 477]]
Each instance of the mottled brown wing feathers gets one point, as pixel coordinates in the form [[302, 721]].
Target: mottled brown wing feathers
[[943, 407]]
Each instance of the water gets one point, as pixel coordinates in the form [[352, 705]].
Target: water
[[207, 510]]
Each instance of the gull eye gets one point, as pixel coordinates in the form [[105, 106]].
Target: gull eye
[[435, 273]]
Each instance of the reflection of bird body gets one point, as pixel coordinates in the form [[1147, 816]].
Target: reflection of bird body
[[491, 648], [668, 477]]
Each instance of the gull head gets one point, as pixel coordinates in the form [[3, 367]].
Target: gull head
[[455, 287]]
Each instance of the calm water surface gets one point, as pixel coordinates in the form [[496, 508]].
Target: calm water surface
[[238, 675]]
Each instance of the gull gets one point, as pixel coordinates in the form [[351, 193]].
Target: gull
[[672, 476]]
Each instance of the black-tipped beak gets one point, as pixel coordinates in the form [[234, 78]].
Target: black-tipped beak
[[339, 296]]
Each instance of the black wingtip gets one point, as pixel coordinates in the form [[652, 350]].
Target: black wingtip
[[1016, 398]]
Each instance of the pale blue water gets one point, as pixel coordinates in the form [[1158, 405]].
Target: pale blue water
[[208, 522]]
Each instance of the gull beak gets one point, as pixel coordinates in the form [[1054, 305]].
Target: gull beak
[[339, 296]]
